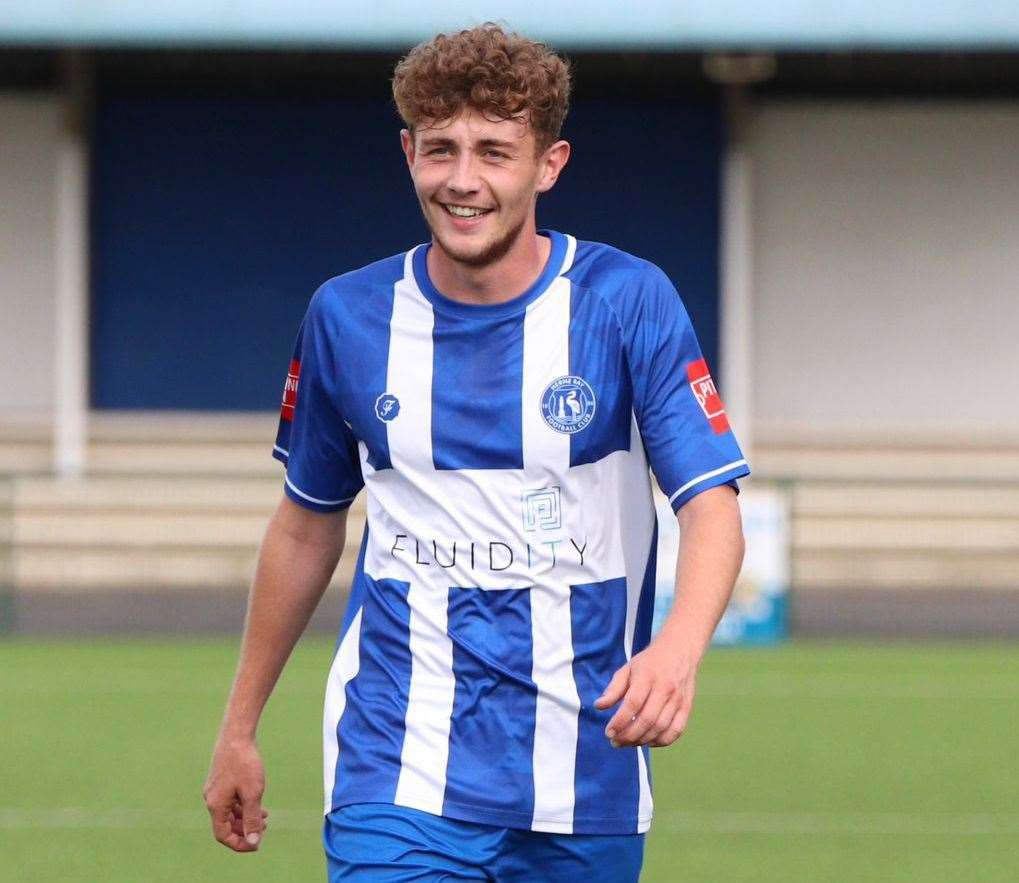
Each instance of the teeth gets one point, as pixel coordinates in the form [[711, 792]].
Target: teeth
[[462, 211]]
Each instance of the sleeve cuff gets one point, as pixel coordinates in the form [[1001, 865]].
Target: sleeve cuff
[[310, 502], [726, 474]]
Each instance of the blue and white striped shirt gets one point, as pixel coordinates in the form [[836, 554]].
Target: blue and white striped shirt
[[507, 566]]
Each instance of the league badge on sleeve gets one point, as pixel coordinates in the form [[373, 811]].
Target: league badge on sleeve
[[290, 391], [707, 396]]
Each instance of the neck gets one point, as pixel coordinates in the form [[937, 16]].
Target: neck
[[502, 280]]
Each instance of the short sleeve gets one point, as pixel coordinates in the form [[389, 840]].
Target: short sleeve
[[682, 421], [313, 440]]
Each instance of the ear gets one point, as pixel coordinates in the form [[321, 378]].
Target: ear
[[407, 143], [551, 164]]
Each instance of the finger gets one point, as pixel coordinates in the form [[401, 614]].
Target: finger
[[237, 843], [668, 714], [237, 819], [615, 689], [251, 809], [675, 728], [647, 717], [222, 829], [237, 826], [633, 702]]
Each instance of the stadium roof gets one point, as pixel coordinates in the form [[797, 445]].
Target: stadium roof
[[569, 24]]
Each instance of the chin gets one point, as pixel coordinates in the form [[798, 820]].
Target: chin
[[473, 252], [479, 252]]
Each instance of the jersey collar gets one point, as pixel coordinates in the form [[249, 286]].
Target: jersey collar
[[552, 269]]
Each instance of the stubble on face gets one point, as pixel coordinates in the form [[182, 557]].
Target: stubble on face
[[489, 254]]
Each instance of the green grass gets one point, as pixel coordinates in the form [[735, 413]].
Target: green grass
[[808, 762]]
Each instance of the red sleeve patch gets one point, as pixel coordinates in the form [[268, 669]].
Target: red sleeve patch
[[707, 396], [290, 391]]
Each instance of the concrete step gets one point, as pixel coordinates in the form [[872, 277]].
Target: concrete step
[[183, 499], [138, 567], [151, 458], [904, 568], [142, 531], [905, 499], [944, 533], [948, 535], [142, 570], [23, 458], [113, 531], [151, 442], [133, 493], [184, 458], [936, 465]]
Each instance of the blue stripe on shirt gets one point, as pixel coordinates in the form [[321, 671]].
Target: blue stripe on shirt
[[491, 738], [476, 380], [598, 614], [371, 730]]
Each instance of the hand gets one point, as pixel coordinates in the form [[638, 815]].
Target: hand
[[657, 690], [233, 795]]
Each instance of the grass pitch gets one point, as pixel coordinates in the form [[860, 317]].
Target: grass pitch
[[814, 761]]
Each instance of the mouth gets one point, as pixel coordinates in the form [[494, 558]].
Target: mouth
[[465, 216]]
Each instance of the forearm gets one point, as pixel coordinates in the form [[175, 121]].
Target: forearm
[[657, 685], [710, 555], [295, 565]]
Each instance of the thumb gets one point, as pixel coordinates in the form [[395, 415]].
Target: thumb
[[616, 688], [251, 811]]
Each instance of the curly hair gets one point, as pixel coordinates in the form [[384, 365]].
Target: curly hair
[[501, 74]]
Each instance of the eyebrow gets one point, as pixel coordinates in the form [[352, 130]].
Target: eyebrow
[[434, 141]]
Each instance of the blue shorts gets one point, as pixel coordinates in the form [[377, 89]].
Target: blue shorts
[[382, 843]]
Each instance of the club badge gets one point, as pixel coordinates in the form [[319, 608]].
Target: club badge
[[567, 404]]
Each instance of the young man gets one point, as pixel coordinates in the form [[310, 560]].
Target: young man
[[500, 392]]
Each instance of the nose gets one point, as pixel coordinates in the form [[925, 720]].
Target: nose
[[463, 177]]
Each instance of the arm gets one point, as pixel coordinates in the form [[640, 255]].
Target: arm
[[657, 685], [297, 559]]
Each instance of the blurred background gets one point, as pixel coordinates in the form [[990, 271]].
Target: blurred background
[[833, 188]]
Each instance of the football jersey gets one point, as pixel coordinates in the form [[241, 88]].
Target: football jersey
[[507, 566]]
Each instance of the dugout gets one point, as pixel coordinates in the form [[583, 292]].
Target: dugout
[[224, 185], [850, 210]]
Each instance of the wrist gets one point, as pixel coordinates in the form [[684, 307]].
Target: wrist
[[682, 648], [238, 733]]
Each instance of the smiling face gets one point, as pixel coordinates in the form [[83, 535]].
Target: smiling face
[[477, 181]]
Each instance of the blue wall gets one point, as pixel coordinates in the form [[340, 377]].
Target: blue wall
[[644, 176], [215, 218]]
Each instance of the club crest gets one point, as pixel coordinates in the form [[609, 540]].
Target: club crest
[[568, 404]]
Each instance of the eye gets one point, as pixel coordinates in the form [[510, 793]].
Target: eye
[[435, 150], [494, 152]]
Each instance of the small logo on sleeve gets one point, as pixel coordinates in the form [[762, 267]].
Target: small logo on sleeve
[[387, 407], [707, 396], [290, 391]]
